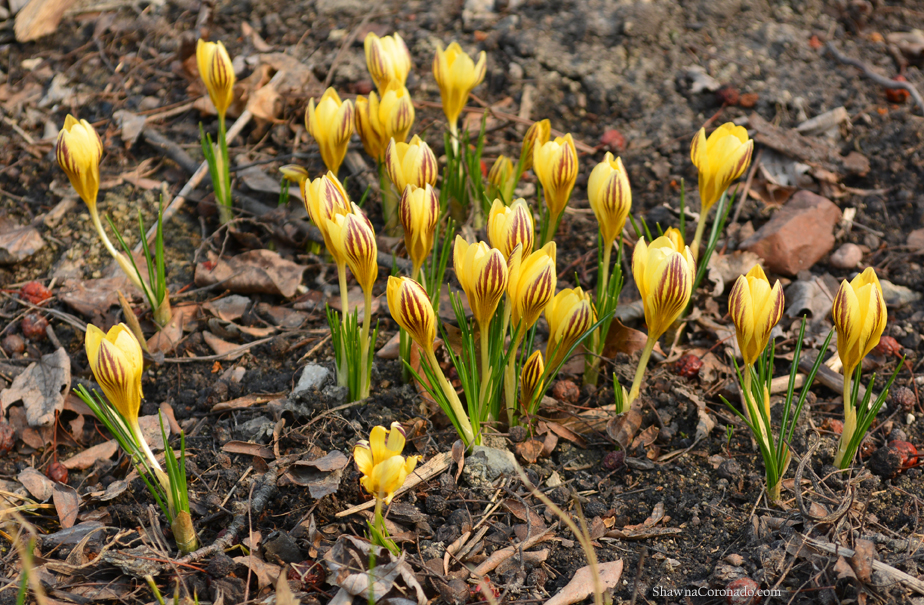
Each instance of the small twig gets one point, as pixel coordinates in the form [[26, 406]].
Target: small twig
[[880, 80]]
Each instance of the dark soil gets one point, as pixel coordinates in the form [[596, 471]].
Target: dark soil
[[590, 67]]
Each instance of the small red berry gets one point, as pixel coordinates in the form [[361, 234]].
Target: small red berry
[[57, 472], [727, 95], [897, 95], [7, 437], [688, 366], [612, 140], [742, 591], [33, 326], [907, 452]]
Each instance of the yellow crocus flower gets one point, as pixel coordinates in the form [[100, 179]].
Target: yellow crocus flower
[[331, 125], [369, 126], [456, 75], [353, 238], [531, 284], [482, 271], [387, 59], [511, 226], [410, 163], [379, 460], [610, 197], [217, 73], [755, 308], [664, 277], [324, 198], [860, 316], [530, 379], [411, 309], [419, 212], [396, 112], [569, 314], [78, 151], [720, 159], [556, 165], [537, 136]]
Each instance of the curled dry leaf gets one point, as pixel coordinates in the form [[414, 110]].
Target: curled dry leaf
[[253, 272], [622, 339], [622, 428], [90, 456], [42, 388], [38, 485], [581, 585], [321, 476], [17, 242], [67, 504]]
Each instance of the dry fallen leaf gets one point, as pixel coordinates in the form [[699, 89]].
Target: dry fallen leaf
[[37, 484], [67, 504], [228, 308], [582, 583], [321, 476], [622, 428], [89, 457], [17, 242], [529, 450], [93, 297], [253, 272], [222, 347], [621, 339], [42, 387]]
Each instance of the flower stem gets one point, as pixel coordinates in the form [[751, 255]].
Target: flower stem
[[364, 365], [850, 423], [342, 368], [700, 227], [640, 371], [510, 380], [224, 177], [485, 365], [592, 363], [461, 416], [389, 203]]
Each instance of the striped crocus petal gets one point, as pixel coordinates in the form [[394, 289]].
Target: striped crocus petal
[[490, 284], [670, 294], [361, 249], [410, 307], [530, 377]]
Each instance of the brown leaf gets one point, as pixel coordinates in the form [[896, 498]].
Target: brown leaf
[[42, 387], [67, 504], [622, 428], [38, 485], [253, 272], [17, 242], [228, 308], [39, 18], [645, 438], [266, 573], [93, 297], [862, 559], [248, 449], [89, 457], [581, 585], [529, 450], [259, 44], [246, 401], [222, 347], [523, 513], [321, 476], [621, 339], [168, 337], [566, 433]]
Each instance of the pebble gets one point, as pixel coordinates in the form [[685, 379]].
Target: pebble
[[313, 376], [847, 256], [730, 469]]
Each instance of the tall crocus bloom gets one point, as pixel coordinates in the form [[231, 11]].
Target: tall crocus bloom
[[611, 200], [860, 316], [387, 59], [530, 287], [411, 309], [410, 163], [331, 125], [537, 136], [217, 73], [569, 314], [117, 364], [419, 211], [456, 75], [396, 111], [755, 307], [511, 226], [531, 380], [369, 126], [78, 151], [556, 165], [720, 159], [664, 277], [501, 178]]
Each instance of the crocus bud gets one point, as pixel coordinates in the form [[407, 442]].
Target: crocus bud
[[537, 136], [675, 239], [354, 239], [482, 271], [720, 159], [755, 308], [456, 75], [569, 315], [419, 211], [369, 126], [396, 112], [531, 284], [331, 125], [296, 174], [387, 59], [664, 278], [556, 165], [610, 197], [410, 163], [860, 316], [501, 172], [379, 460], [78, 151], [511, 226], [117, 363], [531, 378], [411, 309], [216, 71], [325, 198]]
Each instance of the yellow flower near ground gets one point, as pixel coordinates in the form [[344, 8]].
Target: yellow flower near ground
[[755, 307], [860, 316]]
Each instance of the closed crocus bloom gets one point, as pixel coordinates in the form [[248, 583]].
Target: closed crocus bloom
[[755, 308], [410, 163], [482, 271], [556, 165], [352, 236], [369, 126], [387, 59], [331, 125], [531, 284], [537, 136], [396, 113], [511, 226], [530, 378], [411, 309], [860, 316], [720, 159], [419, 211], [78, 151], [456, 75], [501, 171], [216, 71], [569, 314], [117, 363], [664, 278], [610, 196], [296, 174]]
